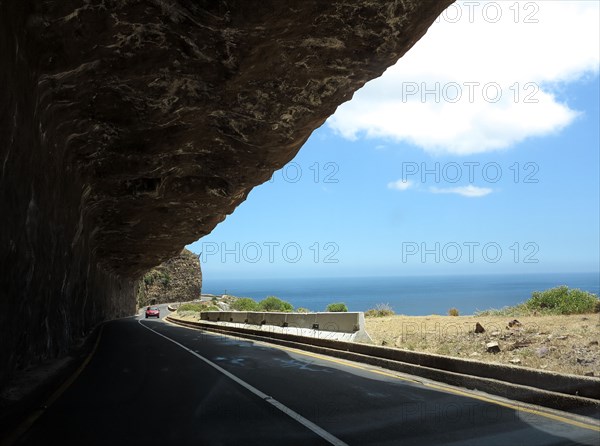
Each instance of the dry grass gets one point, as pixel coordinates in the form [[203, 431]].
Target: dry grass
[[565, 344]]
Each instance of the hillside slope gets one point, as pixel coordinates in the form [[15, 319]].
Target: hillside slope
[[178, 279]]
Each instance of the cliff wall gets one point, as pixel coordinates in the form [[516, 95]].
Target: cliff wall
[[130, 128]]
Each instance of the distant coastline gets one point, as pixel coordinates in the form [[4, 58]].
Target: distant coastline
[[410, 295]]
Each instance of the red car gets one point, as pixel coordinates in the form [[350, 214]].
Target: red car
[[152, 312]]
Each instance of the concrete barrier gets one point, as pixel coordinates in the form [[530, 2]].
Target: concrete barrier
[[302, 320], [238, 317], [224, 316], [339, 326], [275, 319], [339, 322], [254, 318]]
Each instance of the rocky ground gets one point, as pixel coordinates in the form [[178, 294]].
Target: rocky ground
[[565, 344]]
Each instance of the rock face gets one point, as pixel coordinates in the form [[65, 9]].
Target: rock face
[[129, 129], [177, 280]]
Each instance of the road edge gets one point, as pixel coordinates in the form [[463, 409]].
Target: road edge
[[573, 404], [16, 418]]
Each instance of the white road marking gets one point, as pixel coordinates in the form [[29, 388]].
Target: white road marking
[[286, 410]]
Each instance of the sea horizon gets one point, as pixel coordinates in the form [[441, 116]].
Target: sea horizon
[[417, 295]]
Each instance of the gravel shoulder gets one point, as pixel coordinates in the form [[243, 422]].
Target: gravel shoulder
[[564, 344]]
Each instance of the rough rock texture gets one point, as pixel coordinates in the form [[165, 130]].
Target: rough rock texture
[[177, 280], [130, 128]]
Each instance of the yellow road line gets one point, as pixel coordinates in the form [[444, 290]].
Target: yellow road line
[[453, 390], [440, 387], [516, 407], [28, 422]]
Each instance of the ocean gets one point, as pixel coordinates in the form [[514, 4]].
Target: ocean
[[415, 296]]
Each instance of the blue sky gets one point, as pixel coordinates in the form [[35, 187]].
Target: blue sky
[[477, 153]]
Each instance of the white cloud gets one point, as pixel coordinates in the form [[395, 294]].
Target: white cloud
[[475, 87], [401, 185], [466, 191]]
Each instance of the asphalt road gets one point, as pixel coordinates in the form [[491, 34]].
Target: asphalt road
[[153, 383]]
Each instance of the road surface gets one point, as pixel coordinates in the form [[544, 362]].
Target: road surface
[[150, 382]]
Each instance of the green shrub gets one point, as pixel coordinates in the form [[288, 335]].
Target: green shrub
[[157, 276], [380, 310], [148, 279], [272, 303], [558, 300], [165, 279], [517, 310], [302, 310], [562, 300], [338, 307], [453, 312], [211, 308], [191, 307], [244, 304]]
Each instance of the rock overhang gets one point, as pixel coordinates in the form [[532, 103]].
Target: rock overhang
[[131, 128], [170, 112]]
